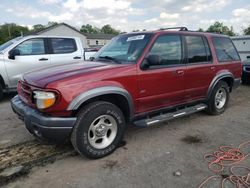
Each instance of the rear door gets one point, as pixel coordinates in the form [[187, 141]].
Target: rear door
[[200, 68], [33, 55], [64, 50], [163, 85]]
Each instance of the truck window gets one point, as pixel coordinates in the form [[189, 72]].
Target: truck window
[[225, 50], [169, 48], [31, 47], [196, 50], [63, 45]]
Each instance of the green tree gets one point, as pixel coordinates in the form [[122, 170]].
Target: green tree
[[247, 31], [51, 24], [89, 29], [219, 27], [109, 30], [11, 30], [38, 27], [200, 30]]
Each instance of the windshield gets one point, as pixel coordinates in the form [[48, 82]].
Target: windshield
[[8, 43], [124, 48]]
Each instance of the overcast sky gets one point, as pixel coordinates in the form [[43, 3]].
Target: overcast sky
[[128, 15]]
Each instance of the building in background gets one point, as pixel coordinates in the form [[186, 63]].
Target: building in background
[[242, 43], [89, 40]]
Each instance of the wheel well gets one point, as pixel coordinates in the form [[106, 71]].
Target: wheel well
[[2, 82], [119, 100], [229, 81]]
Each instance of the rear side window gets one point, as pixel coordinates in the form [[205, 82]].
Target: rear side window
[[197, 49], [225, 49], [63, 45]]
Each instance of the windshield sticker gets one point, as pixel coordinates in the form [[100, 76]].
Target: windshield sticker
[[137, 37]]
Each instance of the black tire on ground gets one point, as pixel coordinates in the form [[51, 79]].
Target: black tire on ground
[[1, 92], [243, 80], [87, 129], [213, 107]]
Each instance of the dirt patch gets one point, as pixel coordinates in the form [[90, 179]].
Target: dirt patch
[[192, 139], [110, 164], [30, 154]]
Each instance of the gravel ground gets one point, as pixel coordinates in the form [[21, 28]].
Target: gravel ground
[[166, 155]]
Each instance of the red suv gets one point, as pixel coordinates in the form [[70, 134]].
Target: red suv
[[144, 78]]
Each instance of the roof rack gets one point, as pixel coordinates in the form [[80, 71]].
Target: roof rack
[[180, 28]]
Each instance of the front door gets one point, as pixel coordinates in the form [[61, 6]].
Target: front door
[[33, 55], [163, 85]]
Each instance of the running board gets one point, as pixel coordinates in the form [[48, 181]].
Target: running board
[[171, 115]]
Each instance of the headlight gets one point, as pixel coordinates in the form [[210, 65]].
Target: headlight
[[44, 99]]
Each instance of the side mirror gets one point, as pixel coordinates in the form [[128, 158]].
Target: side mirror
[[154, 60], [91, 58], [151, 60], [13, 53]]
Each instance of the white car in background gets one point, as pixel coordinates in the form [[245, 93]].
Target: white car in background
[[27, 53]]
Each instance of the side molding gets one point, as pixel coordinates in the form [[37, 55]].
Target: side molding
[[80, 99], [216, 79]]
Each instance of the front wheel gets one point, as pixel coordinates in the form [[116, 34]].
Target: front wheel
[[219, 98], [1, 92], [99, 129]]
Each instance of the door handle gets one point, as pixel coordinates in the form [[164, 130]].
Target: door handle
[[180, 72], [212, 68], [43, 59], [76, 57]]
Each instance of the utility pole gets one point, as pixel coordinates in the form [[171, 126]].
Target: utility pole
[[9, 30]]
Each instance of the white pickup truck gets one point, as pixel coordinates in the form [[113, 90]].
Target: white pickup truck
[[27, 53]]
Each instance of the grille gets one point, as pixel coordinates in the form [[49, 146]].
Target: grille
[[26, 92]]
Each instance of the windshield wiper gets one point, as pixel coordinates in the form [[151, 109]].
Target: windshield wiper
[[110, 58]]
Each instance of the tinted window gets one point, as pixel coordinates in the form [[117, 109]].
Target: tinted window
[[225, 49], [168, 47], [31, 47], [196, 50], [61, 46]]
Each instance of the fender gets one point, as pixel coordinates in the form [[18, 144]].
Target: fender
[[217, 78], [83, 97]]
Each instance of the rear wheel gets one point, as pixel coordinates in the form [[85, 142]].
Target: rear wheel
[[99, 129], [1, 92], [219, 98]]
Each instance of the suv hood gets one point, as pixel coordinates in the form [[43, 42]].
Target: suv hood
[[42, 77]]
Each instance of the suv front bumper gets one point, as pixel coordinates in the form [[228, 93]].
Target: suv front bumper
[[43, 126]]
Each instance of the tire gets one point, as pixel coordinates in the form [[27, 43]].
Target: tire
[[99, 129], [219, 98], [1, 92]]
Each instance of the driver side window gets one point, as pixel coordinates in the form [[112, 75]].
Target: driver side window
[[31, 47], [169, 50]]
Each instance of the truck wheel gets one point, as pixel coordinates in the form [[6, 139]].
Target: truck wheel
[[1, 92], [99, 129], [219, 98]]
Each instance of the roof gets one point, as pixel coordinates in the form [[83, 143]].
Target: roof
[[88, 35], [99, 36], [57, 25], [245, 37]]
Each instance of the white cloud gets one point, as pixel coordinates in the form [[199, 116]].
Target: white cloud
[[165, 15], [72, 5], [50, 1], [204, 5], [109, 4], [61, 17]]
